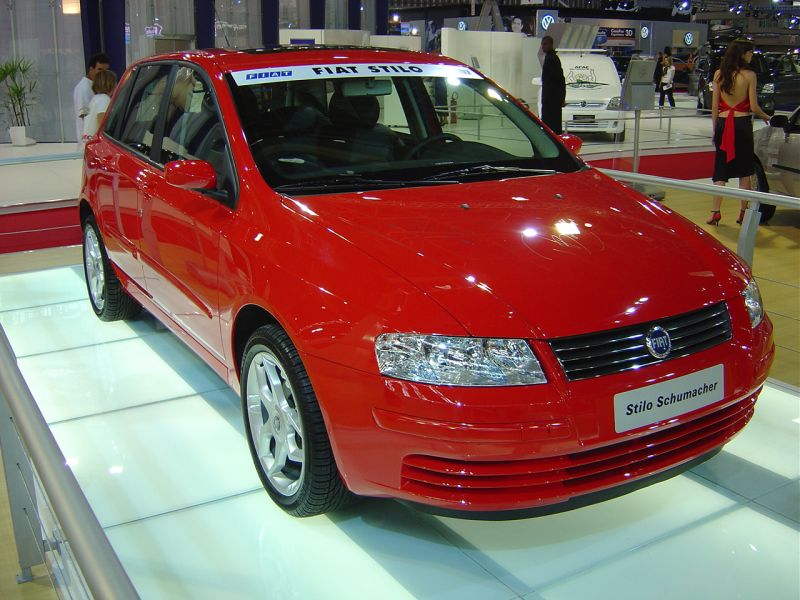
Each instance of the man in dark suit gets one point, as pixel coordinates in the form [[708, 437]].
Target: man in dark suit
[[554, 87]]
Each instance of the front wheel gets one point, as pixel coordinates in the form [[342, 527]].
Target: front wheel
[[109, 299], [285, 430]]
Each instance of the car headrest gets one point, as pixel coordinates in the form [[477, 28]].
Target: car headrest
[[354, 111], [298, 119]]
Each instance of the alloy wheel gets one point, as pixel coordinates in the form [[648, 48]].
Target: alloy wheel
[[275, 425], [95, 273]]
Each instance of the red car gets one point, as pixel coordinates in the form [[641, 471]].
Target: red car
[[419, 290]]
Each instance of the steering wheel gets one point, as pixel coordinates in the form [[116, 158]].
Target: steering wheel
[[441, 137]]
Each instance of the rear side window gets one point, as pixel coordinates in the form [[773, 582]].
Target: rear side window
[[138, 128], [118, 107]]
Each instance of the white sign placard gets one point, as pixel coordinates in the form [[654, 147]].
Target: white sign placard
[[274, 74], [654, 403]]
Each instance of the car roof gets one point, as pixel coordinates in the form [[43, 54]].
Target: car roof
[[237, 60]]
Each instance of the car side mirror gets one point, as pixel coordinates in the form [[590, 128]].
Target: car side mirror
[[573, 142], [780, 121], [191, 174]]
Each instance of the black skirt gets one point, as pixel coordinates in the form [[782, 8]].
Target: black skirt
[[744, 163]]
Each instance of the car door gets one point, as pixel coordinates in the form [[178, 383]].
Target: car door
[[132, 164], [181, 228], [788, 160]]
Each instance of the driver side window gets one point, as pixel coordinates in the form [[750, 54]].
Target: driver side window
[[192, 128]]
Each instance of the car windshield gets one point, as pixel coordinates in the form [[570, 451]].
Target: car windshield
[[311, 128]]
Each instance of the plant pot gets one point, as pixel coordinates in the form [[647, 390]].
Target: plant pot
[[18, 137]]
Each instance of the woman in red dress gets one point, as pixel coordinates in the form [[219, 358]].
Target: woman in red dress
[[733, 101]]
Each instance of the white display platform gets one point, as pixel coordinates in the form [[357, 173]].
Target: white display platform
[[156, 442]]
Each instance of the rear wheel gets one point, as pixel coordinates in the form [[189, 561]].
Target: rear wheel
[[285, 430], [767, 210], [108, 298]]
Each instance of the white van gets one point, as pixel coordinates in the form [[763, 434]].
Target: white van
[[593, 93]]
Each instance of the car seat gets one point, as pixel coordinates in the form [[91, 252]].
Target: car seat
[[356, 133]]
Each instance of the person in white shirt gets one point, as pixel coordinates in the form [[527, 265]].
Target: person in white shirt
[[103, 86], [667, 82], [82, 94]]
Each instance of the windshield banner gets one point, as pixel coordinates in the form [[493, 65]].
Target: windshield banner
[[294, 73]]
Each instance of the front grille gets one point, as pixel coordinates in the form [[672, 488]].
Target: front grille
[[617, 350], [541, 481]]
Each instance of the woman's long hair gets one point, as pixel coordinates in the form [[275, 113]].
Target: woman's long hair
[[732, 63]]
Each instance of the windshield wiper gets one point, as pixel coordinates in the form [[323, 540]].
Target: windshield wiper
[[348, 180], [487, 170]]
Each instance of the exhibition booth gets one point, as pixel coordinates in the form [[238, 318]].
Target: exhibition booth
[[122, 446]]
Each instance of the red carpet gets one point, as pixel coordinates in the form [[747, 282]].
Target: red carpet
[[40, 227], [684, 165]]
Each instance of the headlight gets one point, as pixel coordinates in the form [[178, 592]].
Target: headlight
[[769, 88], [464, 361], [614, 103], [752, 301]]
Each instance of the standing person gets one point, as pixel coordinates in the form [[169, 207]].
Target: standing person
[[554, 87], [82, 94], [732, 102], [667, 82], [657, 72], [103, 85]]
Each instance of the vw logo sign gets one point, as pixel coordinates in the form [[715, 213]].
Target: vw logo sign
[[658, 342], [547, 20], [688, 39], [645, 32]]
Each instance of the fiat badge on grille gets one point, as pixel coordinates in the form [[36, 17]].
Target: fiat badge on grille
[[658, 342]]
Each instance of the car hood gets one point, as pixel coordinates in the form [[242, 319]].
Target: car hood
[[539, 257]]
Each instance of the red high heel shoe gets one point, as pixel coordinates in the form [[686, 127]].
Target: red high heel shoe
[[741, 217], [716, 217]]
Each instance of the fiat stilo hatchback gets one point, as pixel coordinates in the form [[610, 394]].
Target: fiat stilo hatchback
[[446, 307]]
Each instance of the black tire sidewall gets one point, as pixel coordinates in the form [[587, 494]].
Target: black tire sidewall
[[269, 338], [90, 223], [767, 210]]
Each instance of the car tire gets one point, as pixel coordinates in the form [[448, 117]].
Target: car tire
[[618, 137], [767, 210], [285, 430], [107, 296]]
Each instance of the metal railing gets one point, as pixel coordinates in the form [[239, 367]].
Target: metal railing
[[747, 236], [100, 567]]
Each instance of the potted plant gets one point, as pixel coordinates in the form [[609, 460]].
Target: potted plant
[[17, 79]]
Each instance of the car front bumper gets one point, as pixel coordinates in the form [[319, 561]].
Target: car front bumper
[[588, 119], [475, 450]]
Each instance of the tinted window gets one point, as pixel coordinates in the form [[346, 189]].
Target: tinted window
[[139, 125], [389, 128], [758, 64], [118, 107], [192, 129]]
